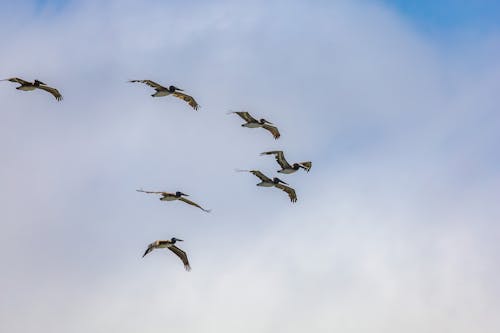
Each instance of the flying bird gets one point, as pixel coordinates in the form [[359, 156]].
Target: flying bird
[[171, 90], [166, 196], [251, 122], [285, 166], [275, 182], [28, 86], [170, 244]]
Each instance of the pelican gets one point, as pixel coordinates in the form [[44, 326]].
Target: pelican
[[275, 182], [171, 90], [170, 244], [251, 122], [285, 166], [166, 196], [28, 86]]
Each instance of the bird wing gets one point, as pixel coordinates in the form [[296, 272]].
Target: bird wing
[[150, 83], [53, 91], [280, 158], [246, 116], [189, 99], [154, 192], [274, 130], [306, 165], [149, 249], [181, 254], [17, 80], [261, 176], [289, 190], [194, 204]]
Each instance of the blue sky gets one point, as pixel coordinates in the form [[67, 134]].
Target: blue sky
[[450, 14], [430, 15], [396, 225]]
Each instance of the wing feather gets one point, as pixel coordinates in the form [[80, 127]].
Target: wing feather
[[155, 192], [194, 204], [261, 176], [182, 255], [150, 83], [189, 99], [246, 116], [280, 158], [289, 190], [274, 130], [53, 91], [17, 80]]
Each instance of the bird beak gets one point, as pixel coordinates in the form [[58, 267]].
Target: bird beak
[[282, 181], [268, 122], [184, 194], [178, 88], [179, 240]]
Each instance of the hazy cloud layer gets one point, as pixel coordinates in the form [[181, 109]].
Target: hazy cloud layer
[[396, 227]]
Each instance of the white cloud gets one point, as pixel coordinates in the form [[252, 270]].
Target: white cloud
[[395, 225]]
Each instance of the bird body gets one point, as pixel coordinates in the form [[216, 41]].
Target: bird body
[[251, 122], [252, 125], [29, 86], [275, 182], [286, 167], [161, 93], [167, 196], [171, 90], [169, 244], [26, 88]]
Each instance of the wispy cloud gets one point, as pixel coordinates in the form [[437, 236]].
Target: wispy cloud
[[395, 228]]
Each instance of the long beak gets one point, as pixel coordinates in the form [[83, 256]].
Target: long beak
[[179, 240], [279, 180], [184, 194]]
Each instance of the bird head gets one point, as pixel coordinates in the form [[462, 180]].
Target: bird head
[[178, 194], [174, 88], [173, 240], [38, 82], [263, 121]]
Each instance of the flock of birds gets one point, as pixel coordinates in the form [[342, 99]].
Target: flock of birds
[[250, 122]]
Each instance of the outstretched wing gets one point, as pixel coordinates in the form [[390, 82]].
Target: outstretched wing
[[306, 165], [246, 116], [261, 176], [150, 83], [17, 80], [189, 99], [280, 158], [181, 254], [274, 130], [53, 91], [289, 190], [154, 192], [194, 204], [149, 249]]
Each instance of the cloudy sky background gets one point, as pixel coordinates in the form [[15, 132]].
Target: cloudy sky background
[[396, 228]]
